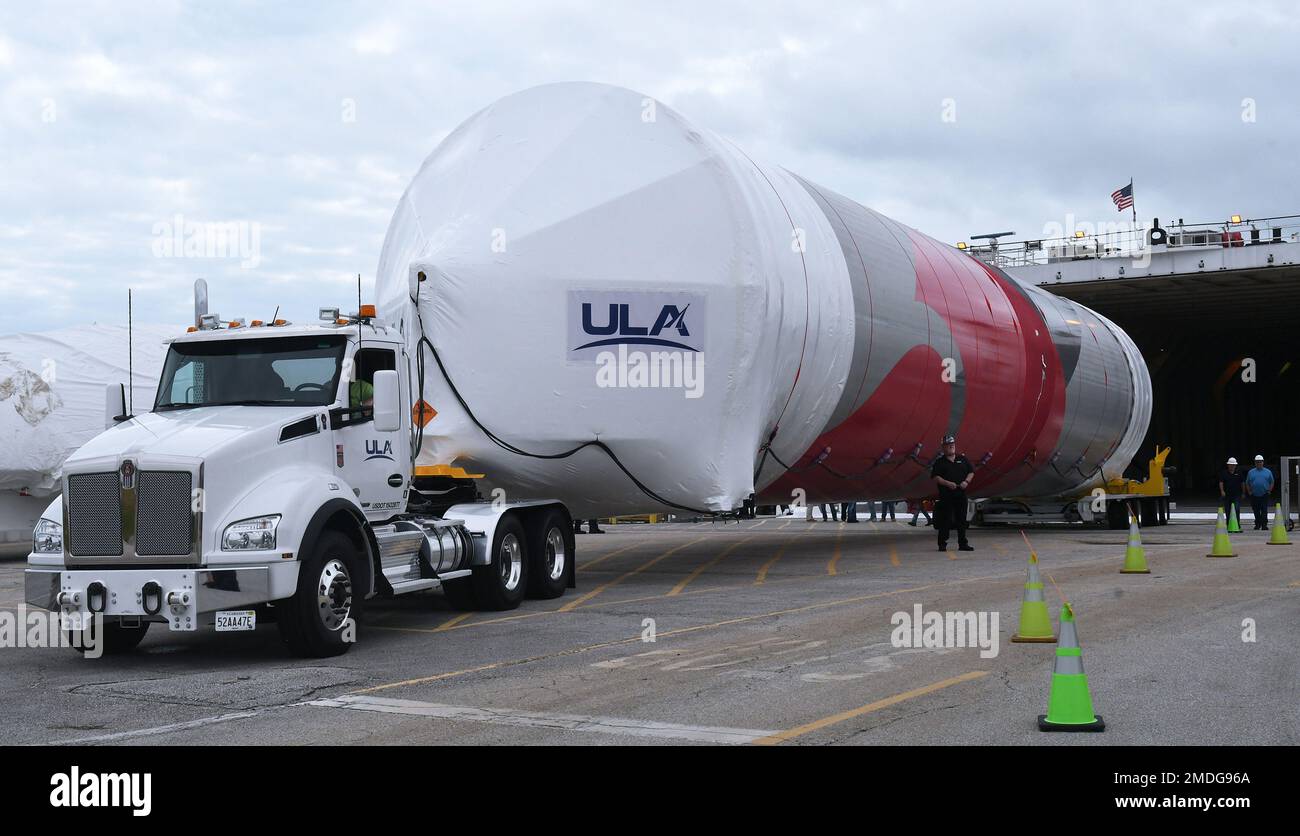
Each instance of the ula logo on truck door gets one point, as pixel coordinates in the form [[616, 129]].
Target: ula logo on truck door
[[376, 449]]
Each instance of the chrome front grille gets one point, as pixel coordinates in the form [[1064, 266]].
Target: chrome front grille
[[136, 516], [95, 521], [164, 513]]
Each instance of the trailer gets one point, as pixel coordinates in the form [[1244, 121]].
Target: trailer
[[1109, 505]]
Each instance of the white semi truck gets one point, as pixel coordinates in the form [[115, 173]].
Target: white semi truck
[[274, 477]]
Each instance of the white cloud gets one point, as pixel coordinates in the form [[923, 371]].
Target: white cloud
[[378, 40]]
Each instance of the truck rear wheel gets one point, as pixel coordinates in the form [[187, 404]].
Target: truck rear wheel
[[320, 619], [501, 584], [552, 556]]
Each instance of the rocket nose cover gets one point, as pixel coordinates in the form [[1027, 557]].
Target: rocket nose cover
[[595, 268]]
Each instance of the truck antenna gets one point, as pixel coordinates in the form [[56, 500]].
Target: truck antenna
[[275, 315], [130, 354]]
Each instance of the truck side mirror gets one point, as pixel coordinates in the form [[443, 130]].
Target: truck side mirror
[[114, 405], [388, 407]]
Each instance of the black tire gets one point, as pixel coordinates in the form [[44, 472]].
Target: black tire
[[552, 554], [116, 639], [315, 621], [459, 593], [501, 584]]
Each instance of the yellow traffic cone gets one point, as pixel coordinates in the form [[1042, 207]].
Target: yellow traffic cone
[[1135, 557], [1035, 623], [1222, 545], [1278, 537], [1234, 527], [1069, 706]]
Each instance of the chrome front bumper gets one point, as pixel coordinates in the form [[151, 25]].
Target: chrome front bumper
[[177, 596]]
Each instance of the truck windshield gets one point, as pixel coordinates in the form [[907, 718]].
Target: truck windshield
[[281, 371]]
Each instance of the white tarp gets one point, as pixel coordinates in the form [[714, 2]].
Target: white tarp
[[552, 229], [52, 394]]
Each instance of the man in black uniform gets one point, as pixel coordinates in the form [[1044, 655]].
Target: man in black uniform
[[952, 473]]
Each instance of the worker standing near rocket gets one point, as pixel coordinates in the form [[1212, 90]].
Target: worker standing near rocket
[[952, 474]]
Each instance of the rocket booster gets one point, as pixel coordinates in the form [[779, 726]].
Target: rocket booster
[[617, 309]]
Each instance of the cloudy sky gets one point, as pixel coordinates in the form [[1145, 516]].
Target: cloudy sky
[[303, 124]]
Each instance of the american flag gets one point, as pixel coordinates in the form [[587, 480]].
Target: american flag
[[1123, 197]]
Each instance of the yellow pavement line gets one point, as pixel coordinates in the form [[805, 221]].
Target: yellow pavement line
[[952, 555], [799, 731], [684, 582], [760, 522], [434, 678], [615, 603], [761, 578], [581, 599], [787, 522], [731, 588], [893, 556], [637, 638], [999, 548], [858, 599], [452, 622], [831, 568], [603, 558]]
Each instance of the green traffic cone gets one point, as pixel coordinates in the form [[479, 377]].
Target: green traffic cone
[[1278, 536], [1234, 527], [1135, 557], [1035, 623], [1222, 545], [1069, 707]]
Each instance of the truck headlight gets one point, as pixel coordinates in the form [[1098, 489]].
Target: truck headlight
[[257, 533], [47, 537]]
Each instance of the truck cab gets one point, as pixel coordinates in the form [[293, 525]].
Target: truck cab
[[274, 478]]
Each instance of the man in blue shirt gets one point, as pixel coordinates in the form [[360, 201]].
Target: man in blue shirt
[[1259, 484]]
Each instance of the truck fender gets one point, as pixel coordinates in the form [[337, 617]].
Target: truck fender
[[339, 513], [296, 490]]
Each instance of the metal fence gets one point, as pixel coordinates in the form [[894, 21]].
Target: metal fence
[[1133, 240]]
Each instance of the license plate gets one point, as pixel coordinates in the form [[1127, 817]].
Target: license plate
[[235, 620]]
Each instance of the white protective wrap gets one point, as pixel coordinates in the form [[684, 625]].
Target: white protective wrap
[[52, 394], [574, 193]]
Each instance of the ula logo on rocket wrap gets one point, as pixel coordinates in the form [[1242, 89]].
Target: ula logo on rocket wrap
[[603, 319], [639, 339]]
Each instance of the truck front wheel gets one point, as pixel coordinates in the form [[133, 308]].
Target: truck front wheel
[[321, 618], [501, 584]]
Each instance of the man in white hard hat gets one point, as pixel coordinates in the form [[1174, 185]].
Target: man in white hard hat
[[1231, 481], [1259, 485]]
